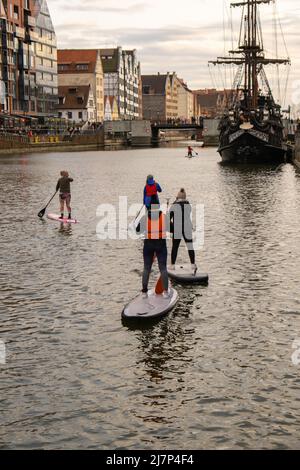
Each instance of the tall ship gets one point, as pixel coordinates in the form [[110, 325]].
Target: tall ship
[[251, 128]]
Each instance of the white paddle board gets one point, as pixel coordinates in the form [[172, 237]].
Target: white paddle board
[[65, 220], [154, 306], [184, 274]]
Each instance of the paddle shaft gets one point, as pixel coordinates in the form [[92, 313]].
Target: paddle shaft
[[139, 213], [42, 212]]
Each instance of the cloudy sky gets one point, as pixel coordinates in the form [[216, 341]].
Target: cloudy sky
[[170, 35]]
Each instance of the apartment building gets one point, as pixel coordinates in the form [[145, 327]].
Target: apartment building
[[83, 67], [76, 104], [160, 97], [122, 80], [24, 24], [185, 102], [45, 60]]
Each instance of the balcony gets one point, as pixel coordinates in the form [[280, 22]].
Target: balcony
[[30, 21], [9, 28], [20, 33], [32, 36]]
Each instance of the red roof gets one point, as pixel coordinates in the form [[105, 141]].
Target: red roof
[[73, 57]]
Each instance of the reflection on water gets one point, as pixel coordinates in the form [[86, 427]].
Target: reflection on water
[[215, 373]]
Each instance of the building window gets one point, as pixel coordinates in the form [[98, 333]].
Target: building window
[[59, 114], [62, 67], [91, 103], [80, 115], [70, 115], [16, 12], [82, 66]]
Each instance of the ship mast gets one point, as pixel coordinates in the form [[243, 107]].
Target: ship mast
[[250, 52]]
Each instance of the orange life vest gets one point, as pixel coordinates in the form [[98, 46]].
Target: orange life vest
[[157, 228]]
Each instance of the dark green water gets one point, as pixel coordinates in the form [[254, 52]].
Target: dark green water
[[216, 373]]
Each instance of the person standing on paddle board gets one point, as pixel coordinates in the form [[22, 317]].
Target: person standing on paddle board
[[64, 188], [153, 225], [181, 227], [151, 191], [190, 152]]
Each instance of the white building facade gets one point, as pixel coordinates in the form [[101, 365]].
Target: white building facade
[[122, 78]]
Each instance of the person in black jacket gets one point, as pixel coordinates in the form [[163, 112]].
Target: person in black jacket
[[181, 227]]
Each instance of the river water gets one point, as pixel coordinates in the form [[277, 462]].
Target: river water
[[217, 373]]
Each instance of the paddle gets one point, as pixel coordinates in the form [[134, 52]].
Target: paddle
[[42, 212], [138, 214], [132, 226]]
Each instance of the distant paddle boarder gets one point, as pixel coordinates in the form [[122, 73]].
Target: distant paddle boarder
[[64, 188], [181, 228], [151, 191], [190, 152], [153, 225]]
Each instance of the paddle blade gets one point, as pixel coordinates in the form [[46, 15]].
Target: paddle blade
[[41, 213], [159, 287]]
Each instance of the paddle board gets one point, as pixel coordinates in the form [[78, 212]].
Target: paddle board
[[154, 306], [184, 274], [65, 220]]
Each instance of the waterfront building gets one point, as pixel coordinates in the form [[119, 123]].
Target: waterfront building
[[122, 80], [83, 67], [22, 91], [111, 111], [160, 97], [185, 102], [77, 104], [45, 60], [197, 107], [212, 102]]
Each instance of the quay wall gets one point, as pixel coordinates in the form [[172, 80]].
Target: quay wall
[[10, 143]]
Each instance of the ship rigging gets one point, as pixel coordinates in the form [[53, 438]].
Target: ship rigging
[[251, 127]]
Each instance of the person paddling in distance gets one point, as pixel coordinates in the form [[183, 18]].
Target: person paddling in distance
[[181, 228], [151, 191], [64, 188], [154, 226], [190, 152]]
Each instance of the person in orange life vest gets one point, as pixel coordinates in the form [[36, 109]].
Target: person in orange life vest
[[190, 152], [151, 191], [154, 226]]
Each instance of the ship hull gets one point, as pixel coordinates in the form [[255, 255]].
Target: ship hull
[[247, 148]]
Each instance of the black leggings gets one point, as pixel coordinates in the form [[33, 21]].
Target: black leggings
[[156, 248], [175, 247]]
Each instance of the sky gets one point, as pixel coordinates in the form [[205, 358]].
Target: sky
[[175, 35]]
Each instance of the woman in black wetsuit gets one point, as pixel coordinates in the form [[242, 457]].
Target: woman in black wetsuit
[[181, 227]]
